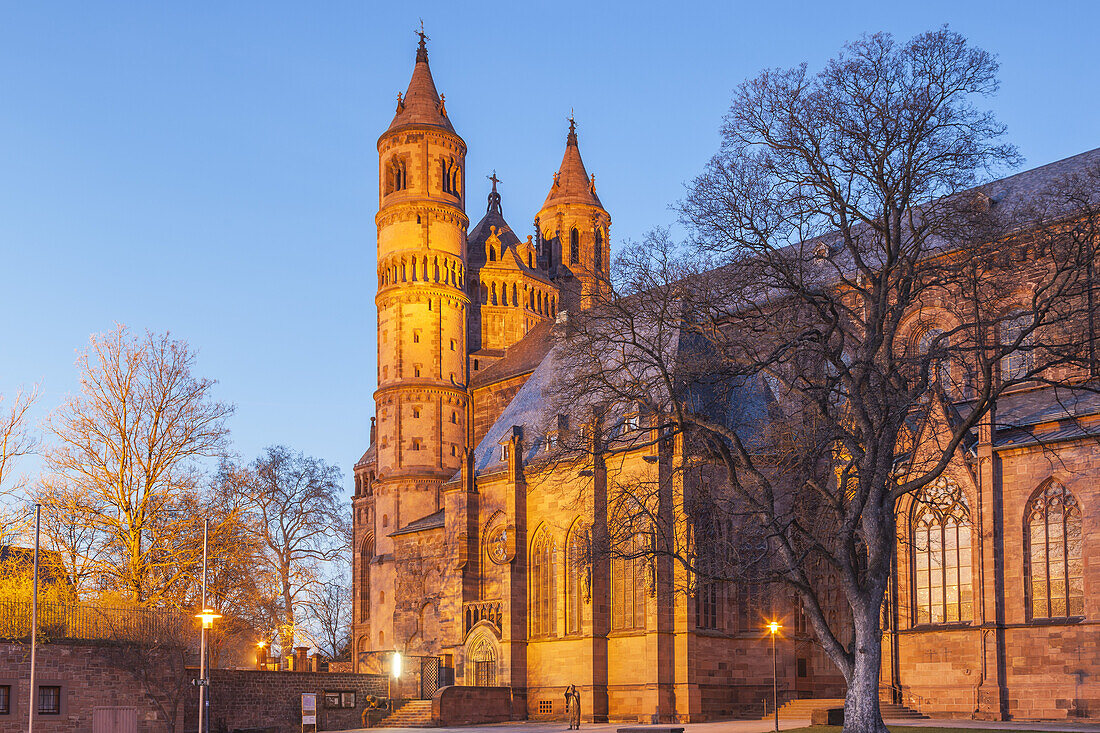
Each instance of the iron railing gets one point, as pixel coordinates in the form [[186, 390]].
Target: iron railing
[[89, 622]]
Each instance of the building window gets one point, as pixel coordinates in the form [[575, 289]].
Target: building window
[[504, 452], [49, 700], [546, 707], [628, 583], [939, 366], [543, 618], [1055, 572], [416, 444], [452, 344], [416, 412], [942, 588], [576, 575], [5, 699], [454, 418], [574, 247], [475, 365], [598, 251], [454, 450], [416, 370], [416, 336], [706, 605], [1017, 363]]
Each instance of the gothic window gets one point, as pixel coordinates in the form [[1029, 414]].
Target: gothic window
[[454, 418], [515, 297], [1053, 541], [1018, 362], [939, 371], [706, 605], [494, 294], [416, 336], [366, 553], [576, 577], [942, 588], [628, 584], [598, 252], [492, 253], [542, 611], [574, 247]]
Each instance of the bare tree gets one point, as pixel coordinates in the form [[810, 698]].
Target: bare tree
[[131, 444], [846, 317], [330, 611], [16, 442], [296, 512]]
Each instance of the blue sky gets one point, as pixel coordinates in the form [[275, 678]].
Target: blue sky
[[210, 168]]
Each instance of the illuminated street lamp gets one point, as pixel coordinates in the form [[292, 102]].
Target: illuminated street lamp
[[207, 615], [773, 630], [395, 670], [261, 653]]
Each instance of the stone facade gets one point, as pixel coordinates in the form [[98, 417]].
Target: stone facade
[[464, 526]]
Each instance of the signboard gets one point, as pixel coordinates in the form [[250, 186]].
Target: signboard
[[309, 711]]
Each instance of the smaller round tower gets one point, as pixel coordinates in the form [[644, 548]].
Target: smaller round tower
[[573, 231]]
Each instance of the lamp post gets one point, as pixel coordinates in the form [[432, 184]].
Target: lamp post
[[395, 670], [207, 615], [773, 630], [34, 618], [261, 654]]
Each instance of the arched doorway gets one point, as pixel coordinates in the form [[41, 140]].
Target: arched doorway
[[482, 658]]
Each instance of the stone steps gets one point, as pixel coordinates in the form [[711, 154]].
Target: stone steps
[[409, 714], [802, 709]]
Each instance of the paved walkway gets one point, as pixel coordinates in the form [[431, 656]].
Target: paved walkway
[[747, 726]]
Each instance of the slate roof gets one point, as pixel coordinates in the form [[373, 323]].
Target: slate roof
[[519, 358], [432, 521]]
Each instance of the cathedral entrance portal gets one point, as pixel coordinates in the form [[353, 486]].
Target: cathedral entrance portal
[[482, 658]]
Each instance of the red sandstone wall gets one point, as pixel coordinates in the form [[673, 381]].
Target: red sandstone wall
[[89, 675], [253, 699], [471, 705]]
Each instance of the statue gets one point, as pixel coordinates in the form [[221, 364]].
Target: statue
[[573, 707]]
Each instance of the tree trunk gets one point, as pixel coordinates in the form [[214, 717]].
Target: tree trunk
[[861, 704]]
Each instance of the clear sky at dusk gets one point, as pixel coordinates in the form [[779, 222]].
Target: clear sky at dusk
[[209, 168]]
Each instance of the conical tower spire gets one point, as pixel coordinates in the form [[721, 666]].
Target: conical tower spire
[[422, 103], [572, 184]]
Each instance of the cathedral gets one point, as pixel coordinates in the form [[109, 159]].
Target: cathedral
[[468, 543]]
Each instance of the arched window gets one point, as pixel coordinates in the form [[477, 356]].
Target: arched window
[[628, 584], [934, 344], [494, 294], [541, 607], [576, 576], [492, 253], [366, 553], [574, 247], [942, 567], [1053, 550], [515, 297], [1018, 362], [598, 251], [483, 658]]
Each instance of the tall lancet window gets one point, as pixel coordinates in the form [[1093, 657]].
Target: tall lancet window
[[942, 567], [576, 577], [1055, 574], [541, 605], [574, 247], [598, 251]]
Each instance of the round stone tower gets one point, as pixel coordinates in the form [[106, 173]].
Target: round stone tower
[[421, 397], [573, 229]]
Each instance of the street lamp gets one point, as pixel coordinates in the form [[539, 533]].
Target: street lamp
[[261, 653], [773, 630], [207, 615], [395, 670]]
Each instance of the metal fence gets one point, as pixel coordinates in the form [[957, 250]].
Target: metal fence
[[88, 622]]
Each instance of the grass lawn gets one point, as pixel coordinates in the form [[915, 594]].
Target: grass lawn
[[906, 729]]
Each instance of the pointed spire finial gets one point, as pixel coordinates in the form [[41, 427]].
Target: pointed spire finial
[[494, 179], [422, 49], [571, 138]]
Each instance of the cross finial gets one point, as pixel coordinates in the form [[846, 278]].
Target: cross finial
[[422, 49], [572, 122], [494, 179]]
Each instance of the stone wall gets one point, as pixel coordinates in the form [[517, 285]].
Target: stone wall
[[254, 699], [472, 705], [93, 675]]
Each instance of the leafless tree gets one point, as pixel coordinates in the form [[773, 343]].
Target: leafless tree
[[330, 616], [846, 316], [296, 512], [16, 442], [131, 443]]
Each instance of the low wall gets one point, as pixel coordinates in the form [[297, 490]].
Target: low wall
[[273, 700], [459, 705], [90, 675]]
